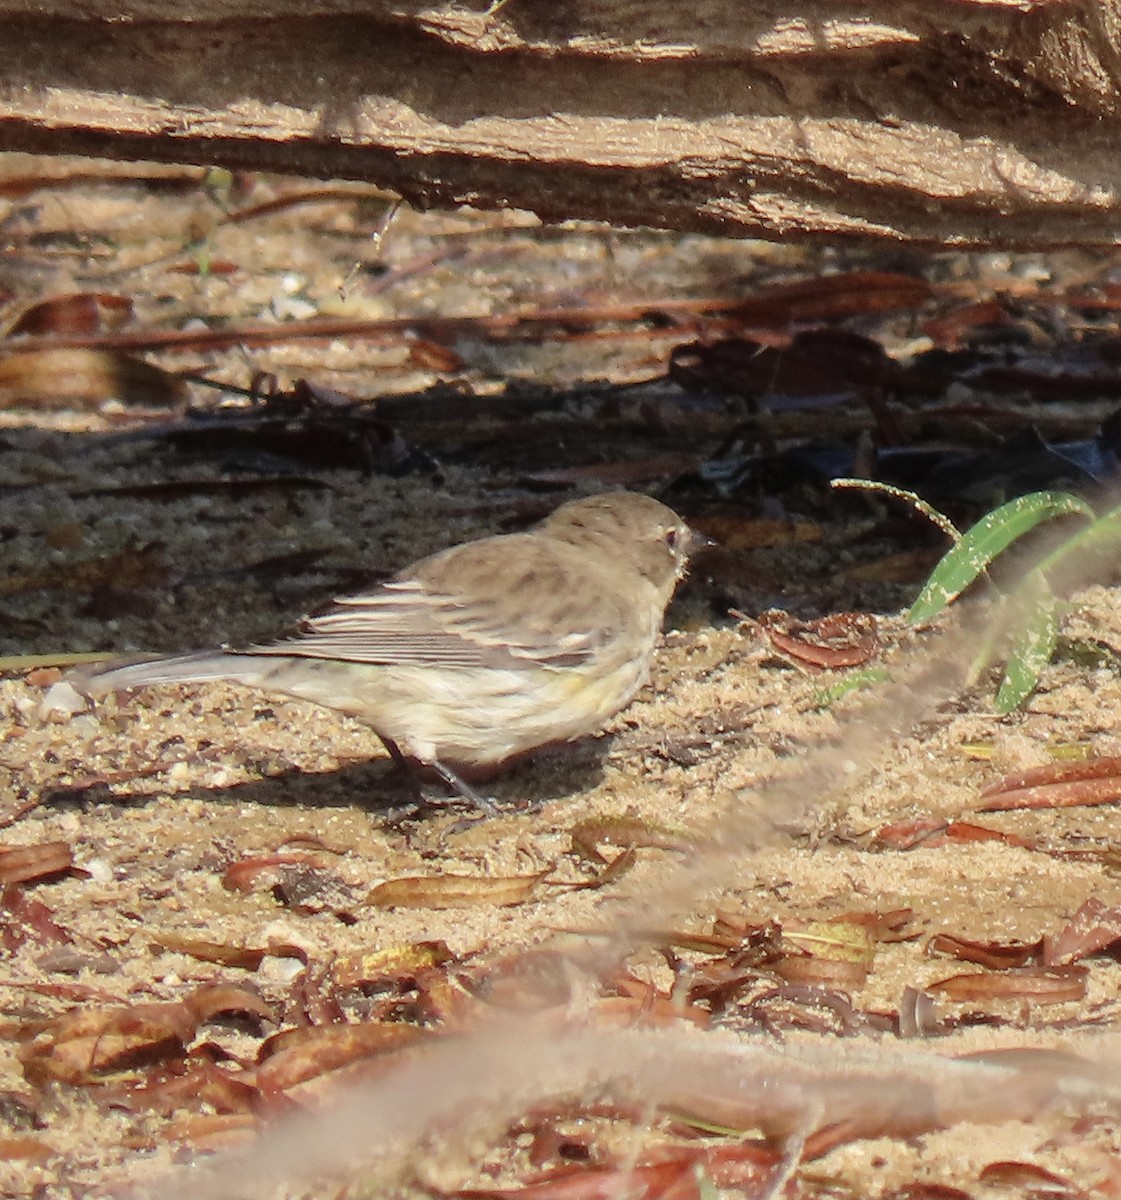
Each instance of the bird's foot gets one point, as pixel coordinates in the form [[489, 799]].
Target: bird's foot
[[420, 802], [485, 807]]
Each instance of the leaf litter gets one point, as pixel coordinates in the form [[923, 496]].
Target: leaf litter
[[220, 1009]]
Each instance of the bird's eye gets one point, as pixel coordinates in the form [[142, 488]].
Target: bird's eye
[[671, 538]]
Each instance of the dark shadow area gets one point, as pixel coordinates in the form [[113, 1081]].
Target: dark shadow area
[[548, 775]]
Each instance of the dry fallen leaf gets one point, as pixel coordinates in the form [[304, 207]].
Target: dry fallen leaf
[[84, 1044], [928, 832], [262, 870], [997, 955], [68, 378], [1033, 985], [21, 863], [25, 920], [248, 958], [1095, 927], [293, 1056], [455, 891], [1057, 785], [392, 964], [838, 641], [80, 312]]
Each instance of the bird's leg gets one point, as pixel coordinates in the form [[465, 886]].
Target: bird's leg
[[458, 785], [404, 768], [464, 789]]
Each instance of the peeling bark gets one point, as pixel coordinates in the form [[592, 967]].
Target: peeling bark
[[953, 122]]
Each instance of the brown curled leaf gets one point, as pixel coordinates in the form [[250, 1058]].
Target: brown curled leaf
[[455, 891], [444, 1000], [931, 832], [812, 969], [657, 1012], [203, 1085], [1057, 785], [23, 919], [997, 955], [638, 1002], [247, 958], [81, 312], [1028, 1178], [735, 921], [84, 1043], [68, 378], [21, 863], [922, 1189], [213, 998], [1036, 985], [1095, 927], [1057, 772], [295, 1055], [832, 643], [627, 831], [246, 874], [905, 835], [717, 942], [965, 831]]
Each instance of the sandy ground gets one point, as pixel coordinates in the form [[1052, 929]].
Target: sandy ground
[[158, 793]]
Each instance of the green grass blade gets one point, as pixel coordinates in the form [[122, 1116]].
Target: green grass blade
[[863, 677], [897, 493], [1104, 534], [1033, 646], [990, 537]]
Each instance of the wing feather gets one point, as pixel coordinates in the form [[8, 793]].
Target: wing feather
[[508, 601]]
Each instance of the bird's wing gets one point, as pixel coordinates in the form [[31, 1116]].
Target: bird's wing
[[501, 602]]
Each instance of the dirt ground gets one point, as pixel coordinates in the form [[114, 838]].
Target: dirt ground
[[129, 525]]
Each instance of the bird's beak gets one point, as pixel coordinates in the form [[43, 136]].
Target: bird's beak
[[698, 542]]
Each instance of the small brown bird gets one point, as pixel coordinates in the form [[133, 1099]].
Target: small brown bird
[[482, 651]]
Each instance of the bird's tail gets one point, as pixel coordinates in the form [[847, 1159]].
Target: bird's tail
[[102, 678]]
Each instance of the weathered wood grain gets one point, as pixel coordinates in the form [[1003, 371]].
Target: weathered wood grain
[[949, 123]]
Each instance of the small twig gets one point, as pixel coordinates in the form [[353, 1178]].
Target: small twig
[[11, 663], [262, 333]]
